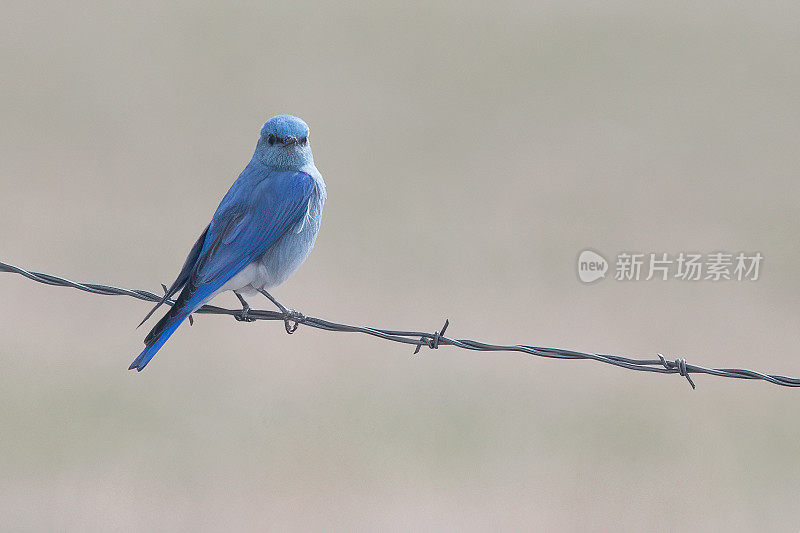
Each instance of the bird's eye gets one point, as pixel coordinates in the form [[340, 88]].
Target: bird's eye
[[303, 140], [271, 139]]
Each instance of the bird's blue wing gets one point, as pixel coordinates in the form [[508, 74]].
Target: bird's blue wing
[[250, 219], [243, 229]]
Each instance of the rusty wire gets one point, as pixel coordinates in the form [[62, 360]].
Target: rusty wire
[[421, 339]]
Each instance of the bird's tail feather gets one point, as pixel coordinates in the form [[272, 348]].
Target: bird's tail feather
[[166, 327]]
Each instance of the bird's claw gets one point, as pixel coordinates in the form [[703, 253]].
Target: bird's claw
[[292, 319], [244, 316]]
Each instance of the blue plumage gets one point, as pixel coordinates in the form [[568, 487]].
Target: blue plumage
[[262, 231]]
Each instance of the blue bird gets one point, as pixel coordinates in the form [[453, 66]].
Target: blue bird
[[262, 231]]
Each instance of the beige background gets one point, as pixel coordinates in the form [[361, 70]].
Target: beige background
[[471, 150]]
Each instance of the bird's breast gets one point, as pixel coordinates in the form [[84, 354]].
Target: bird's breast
[[284, 257]]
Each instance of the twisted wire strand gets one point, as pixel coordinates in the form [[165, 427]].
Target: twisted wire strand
[[420, 339]]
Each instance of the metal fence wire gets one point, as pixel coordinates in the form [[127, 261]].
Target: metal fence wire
[[420, 339]]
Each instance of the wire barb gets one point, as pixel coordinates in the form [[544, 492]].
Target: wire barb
[[679, 365], [433, 344], [418, 339]]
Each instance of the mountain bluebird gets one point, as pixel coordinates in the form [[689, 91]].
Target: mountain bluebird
[[262, 231]]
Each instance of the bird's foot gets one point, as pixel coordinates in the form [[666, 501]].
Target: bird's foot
[[292, 319], [244, 315]]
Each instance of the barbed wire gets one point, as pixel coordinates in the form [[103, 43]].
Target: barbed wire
[[420, 339]]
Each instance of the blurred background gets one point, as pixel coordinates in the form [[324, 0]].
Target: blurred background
[[471, 151]]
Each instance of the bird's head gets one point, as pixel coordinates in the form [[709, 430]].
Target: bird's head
[[284, 143]]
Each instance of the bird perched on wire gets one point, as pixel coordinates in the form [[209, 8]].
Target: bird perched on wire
[[262, 231]]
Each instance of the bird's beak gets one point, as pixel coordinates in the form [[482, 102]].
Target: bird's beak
[[289, 140]]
